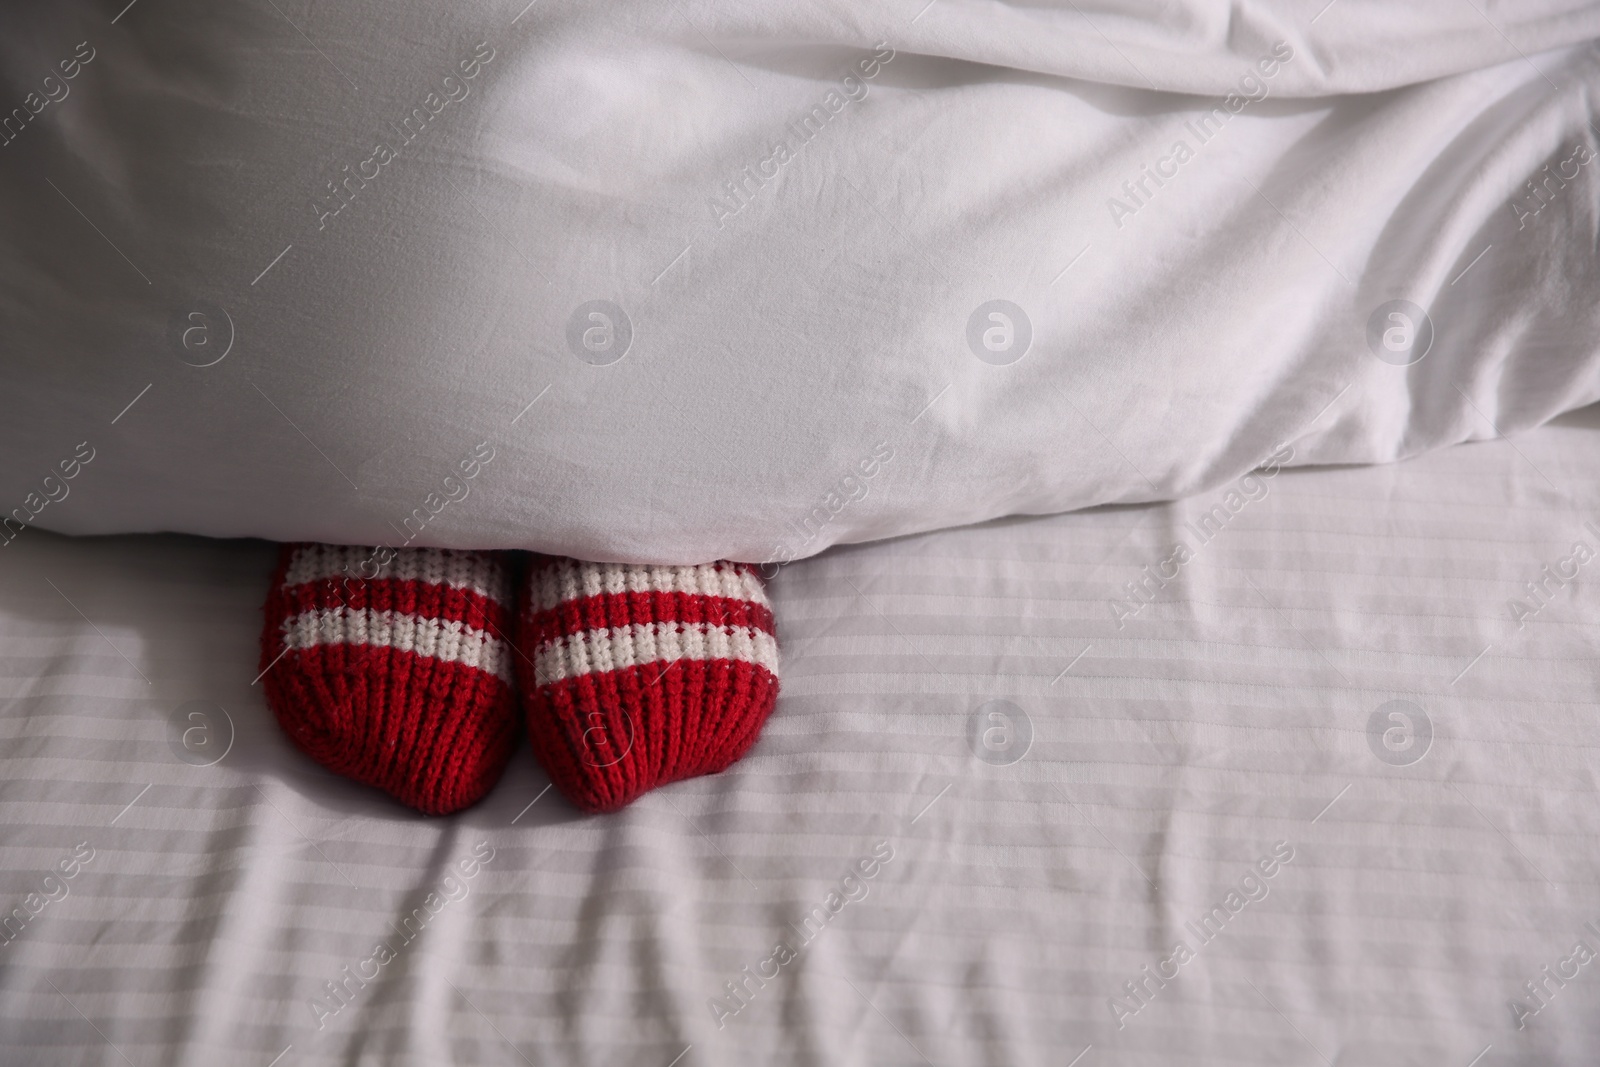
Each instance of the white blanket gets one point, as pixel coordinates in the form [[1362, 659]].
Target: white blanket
[[998, 789], [746, 280]]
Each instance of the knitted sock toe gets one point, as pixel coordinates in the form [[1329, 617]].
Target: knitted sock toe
[[401, 681], [635, 676]]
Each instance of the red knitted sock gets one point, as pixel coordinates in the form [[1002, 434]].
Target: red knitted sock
[[636, 676], [401, 681]]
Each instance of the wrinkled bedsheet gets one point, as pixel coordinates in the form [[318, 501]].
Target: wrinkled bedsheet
[[1298, 772]]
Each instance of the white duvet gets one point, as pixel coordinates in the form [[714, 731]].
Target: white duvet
[[679, 282]]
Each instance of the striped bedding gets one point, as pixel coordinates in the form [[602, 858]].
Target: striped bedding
[[1318, 789]]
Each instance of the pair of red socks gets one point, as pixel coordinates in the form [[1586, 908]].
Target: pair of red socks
[[628, 676]]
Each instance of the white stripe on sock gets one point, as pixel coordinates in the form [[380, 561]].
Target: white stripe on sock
[[452, 642], [481, 574], [630, 646], [572, 579]]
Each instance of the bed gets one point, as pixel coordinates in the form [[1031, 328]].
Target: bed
[[1036, 791]]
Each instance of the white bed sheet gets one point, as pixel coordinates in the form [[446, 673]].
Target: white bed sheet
[[1167, 757]]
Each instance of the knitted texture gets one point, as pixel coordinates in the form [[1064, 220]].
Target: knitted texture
[[635, 676], [401, 681]]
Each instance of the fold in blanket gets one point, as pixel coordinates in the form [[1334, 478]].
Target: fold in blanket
[[685, 269]]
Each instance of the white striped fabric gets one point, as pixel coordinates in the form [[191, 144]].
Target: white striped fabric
[[631, 646], [1045, 803], [453, 642]]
